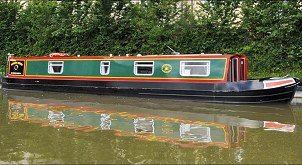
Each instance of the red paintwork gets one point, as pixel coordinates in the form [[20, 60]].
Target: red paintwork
[[245, 66], [120, 79], [278, 83], [126, 57]]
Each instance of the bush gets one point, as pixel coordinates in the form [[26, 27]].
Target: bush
[[269, 32]]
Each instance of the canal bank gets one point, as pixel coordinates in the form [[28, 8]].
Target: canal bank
[[298, 93], [298, 97]]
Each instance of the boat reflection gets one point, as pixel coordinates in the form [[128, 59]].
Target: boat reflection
[[276, 126], [185, 128]]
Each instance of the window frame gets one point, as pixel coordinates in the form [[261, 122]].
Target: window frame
[[50, 65], [105, 65], [182, 65], [135, 68]]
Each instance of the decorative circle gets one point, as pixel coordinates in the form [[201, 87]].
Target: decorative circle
[[16, 67], [166, 68]]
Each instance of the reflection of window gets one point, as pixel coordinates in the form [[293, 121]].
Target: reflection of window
[[55, 67], [55, 116], [194, 68], [105, 121], [56, 119], [194, 132], [105, 67], [144, 68], [18, 112], [143, 125]]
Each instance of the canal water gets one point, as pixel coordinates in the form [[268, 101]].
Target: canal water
[[60, 128]]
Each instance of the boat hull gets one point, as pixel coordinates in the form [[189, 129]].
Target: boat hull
[[245, 92]]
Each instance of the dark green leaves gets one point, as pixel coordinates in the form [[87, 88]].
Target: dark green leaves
[[269, 32]]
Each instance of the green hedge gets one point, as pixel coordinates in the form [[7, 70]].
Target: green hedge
[[269, 32]]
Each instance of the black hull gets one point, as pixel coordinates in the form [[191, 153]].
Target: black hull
[[247, 92]]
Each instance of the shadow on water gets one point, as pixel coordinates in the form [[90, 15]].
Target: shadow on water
[[135, 130]]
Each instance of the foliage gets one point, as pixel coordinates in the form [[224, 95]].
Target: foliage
[[269, 32]]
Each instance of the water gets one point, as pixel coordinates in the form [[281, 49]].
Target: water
[[46, 127]]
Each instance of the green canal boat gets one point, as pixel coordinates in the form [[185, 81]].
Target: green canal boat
[[206, 77]]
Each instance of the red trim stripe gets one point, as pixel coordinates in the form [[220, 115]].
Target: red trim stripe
[[279, 83], [122, 79], [125, 57]]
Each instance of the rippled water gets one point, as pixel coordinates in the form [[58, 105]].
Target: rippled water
[[45, 127]]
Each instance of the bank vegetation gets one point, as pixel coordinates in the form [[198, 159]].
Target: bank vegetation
[[269, 32]]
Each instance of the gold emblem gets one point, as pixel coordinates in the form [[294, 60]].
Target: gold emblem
[[17, 63], [16, 67], [166, 68]]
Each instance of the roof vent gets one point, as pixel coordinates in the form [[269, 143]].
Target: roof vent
[[58, 55]]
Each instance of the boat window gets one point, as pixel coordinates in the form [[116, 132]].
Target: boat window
[[235, 69], [230, 72], [242, 69], [194, 68], [145, 68], [105, 67], [55, 67]]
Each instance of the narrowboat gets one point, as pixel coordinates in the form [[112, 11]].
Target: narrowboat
[[220, 78]]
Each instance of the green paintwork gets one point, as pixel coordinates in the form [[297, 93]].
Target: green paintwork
[[121, 68]]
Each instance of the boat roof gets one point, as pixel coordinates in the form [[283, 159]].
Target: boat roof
[[138, 56]]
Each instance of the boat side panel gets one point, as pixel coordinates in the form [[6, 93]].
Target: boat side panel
[[121, 68]]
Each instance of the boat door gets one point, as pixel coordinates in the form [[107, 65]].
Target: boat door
[[237, 69]]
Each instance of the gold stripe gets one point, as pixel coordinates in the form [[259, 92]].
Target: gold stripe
[[25, 68]]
